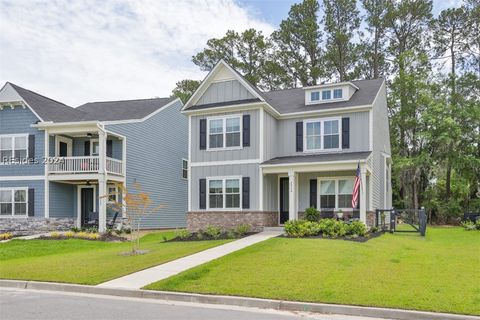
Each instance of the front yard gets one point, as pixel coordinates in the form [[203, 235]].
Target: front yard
[[89, 262], [435, 273]]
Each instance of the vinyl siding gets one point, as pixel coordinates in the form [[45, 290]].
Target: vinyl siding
[[270, 192], [271, 136], [16, 121], [62, 200], [224, 91], [359, 122], [39, 187], [251, 152], [155, 148], [244, 170]]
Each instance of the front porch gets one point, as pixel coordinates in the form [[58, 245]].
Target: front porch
[[289, 189], [90, 158]]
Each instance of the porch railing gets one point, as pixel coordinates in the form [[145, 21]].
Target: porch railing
[[85, 164], [114, 166]]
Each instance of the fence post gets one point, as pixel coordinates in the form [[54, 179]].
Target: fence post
[[423, 221], [392, 220]]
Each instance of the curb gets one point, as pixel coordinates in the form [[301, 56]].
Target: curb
[[239, 301]]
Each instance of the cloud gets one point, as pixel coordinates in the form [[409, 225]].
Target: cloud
[[79, 51]]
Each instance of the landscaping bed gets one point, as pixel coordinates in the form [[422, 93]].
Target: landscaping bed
[[213, 233], [369, 236], [92, 236]]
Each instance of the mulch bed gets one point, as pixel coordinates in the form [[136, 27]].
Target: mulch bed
[[194, 237], [346, 238], [103, 237]]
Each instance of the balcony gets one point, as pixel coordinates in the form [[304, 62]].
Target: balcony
[[83, 165]]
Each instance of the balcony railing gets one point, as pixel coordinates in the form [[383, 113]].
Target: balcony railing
[[90, 164]]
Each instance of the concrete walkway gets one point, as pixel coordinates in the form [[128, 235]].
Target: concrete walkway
[[140, 279]]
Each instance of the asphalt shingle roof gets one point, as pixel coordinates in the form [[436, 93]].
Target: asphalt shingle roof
[[324, 157], [52, 110], [123, 110]]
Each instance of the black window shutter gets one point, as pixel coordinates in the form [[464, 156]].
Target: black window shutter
[[109, 148], [31, 202], [203, 134], [313, 193], [345, 133], [299, 136], [246, 130], [203, 194], [86, 150], [31, 146], [245, 192]]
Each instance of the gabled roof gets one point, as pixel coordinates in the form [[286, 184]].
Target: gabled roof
[[290, 100], [48, 109], [124, 109], [51, 110]]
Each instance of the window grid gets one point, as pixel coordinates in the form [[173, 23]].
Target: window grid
[[315, 96], [326, 94], [13, 147], [224, 193], [342, 199], [337, 93], [331, 135], [13, 202], [184, 169], [224, 132]]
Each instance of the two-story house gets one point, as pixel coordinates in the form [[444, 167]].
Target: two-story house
[[264, 157], [58, 163]]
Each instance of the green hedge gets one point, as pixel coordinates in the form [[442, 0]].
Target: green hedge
[[326, 227]]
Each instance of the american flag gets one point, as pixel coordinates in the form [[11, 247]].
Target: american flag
[[356, 189]]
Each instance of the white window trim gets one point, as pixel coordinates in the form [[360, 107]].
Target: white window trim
[[183, 169], [336, 179], [224, 178], [12, 190], [12, 136], [91, 147], [224, 132], [322, 128], [66, 140]]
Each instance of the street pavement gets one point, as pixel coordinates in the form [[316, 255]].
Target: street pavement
[[21, 304]]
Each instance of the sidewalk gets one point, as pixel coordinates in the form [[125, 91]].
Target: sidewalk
[[140, 279]]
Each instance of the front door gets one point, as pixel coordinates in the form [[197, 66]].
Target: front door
[[283, 200], [87, 202]]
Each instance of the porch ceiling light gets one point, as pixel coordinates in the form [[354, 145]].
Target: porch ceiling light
[[89, 135]]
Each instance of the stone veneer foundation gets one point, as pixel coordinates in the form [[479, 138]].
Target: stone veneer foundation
[[28, 226], [230, 219]]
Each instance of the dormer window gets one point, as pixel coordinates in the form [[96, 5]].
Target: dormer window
[[315, 96], [337, 93], [326, 95]]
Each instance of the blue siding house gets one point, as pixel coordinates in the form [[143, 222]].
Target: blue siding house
[[58, 163]]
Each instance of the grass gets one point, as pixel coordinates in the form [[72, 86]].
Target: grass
[[436, 273], [88, 262]]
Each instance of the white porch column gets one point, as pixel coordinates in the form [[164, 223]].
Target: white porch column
[[46, 182], [102, 181], [363, 194], [291, 195], [260, 189]]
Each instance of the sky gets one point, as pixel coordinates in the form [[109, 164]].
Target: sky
[[98, 50]]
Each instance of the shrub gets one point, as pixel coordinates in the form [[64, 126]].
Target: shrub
[[374, 229], [6, 236], [182, 234], [81, 235], [92, 236], [470, 225], [118, 231], [54, 235], [213, 231], [231, 234], [127, 230], [74, 229], [242, 229], [333, 228], [357, 228], [312, 214], [302, 228], [69, 234], [200, 235]]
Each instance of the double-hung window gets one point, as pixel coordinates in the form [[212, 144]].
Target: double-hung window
[[112, 193], [315, 96], [322, 134], [224, 132], [13, 147], [326, 94], [13, 202], [336, 193], [224, 193]]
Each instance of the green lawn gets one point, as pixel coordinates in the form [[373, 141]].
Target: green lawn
[[437, 273], [88, 262]]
